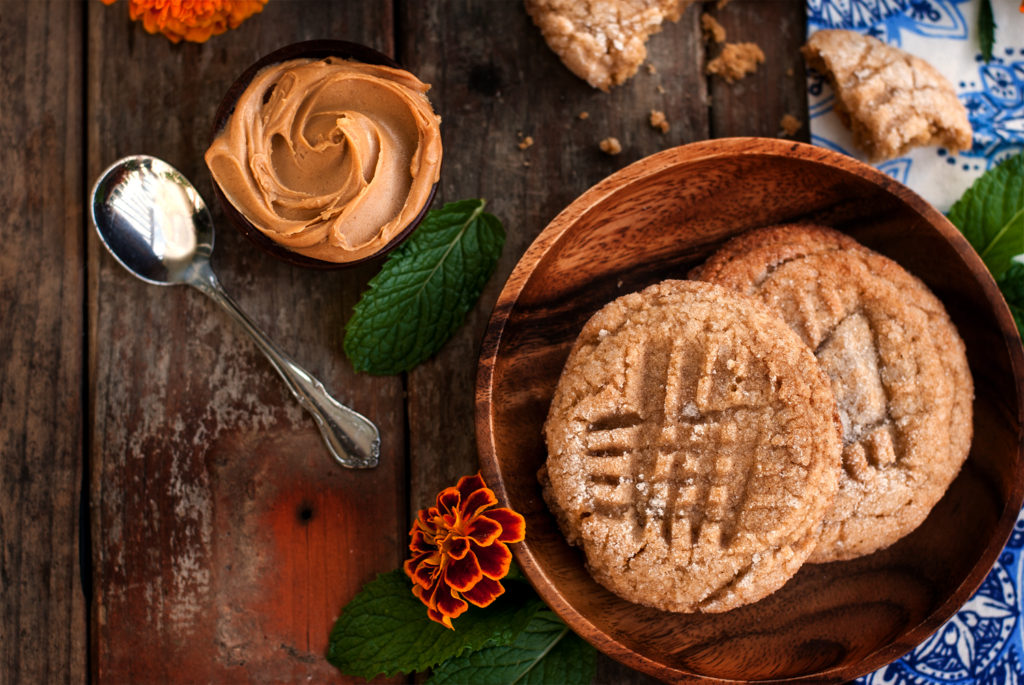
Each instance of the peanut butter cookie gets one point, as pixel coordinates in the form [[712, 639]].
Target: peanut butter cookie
[[891, 100], [602, 41], [693, 448], [897, 366]]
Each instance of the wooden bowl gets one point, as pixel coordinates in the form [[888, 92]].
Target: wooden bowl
[[655, 219], [310, 49]]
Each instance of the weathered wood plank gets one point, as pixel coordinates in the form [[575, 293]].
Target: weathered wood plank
[[490, 86], [225, 538], [755, 105], [42, 609], [488, 92]]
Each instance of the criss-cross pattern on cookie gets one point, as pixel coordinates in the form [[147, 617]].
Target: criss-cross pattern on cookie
[[677, 451]]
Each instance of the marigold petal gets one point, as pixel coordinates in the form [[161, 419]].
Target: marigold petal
[[425, 575], [470, 484], [422, 569], [421, 593], [483, 531], [462, 574], [456, 547], [513, 525], [435, 615], [448, 501], [447, 602], [418, 542], [477, 501], [424, 520], [494, 560], [484, 592]]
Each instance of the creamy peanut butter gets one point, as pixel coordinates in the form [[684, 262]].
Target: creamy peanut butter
[[330, 158]]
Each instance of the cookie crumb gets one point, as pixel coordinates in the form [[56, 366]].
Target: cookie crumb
[[610, 146], [790, 72], [659, 121], [790, 124], [713, 31], [736, 61], [722, 3], [525, 143], [660, 89], [583, 116]]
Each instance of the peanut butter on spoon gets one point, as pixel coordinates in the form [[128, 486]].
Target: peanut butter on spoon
[[329, 158]]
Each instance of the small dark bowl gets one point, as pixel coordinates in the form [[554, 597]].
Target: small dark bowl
[[656, 219], [314, 49]]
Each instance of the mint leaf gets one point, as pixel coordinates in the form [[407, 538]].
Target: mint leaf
[[546, 651], [991, 214], [424, 290], [986, 29], [385, 629], [1012, 285]]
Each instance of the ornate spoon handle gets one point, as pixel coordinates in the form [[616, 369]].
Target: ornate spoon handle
[[352, 439]]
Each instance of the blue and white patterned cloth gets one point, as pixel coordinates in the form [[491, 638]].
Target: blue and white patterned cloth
[[984, 642], [943, 32]]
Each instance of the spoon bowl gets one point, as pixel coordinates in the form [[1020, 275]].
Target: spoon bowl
[[156, 225], [151, 219]]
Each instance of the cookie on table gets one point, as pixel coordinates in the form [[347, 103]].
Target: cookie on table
[[693, 448], [602, 41], [896, 363], [891, 100]]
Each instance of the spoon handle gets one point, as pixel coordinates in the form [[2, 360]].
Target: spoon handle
[[352, 439]]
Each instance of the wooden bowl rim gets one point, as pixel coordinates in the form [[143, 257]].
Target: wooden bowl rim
[[319, 48], [705, 151]]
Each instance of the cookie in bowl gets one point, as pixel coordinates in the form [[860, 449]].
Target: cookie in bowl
[[693, 448], [896, 363]]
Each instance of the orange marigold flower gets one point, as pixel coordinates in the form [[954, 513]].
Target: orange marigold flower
[[460, 549], [192, 20]]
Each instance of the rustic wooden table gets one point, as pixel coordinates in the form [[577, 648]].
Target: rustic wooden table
[[167, 512]]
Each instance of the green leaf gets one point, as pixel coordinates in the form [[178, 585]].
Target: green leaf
[[991, 214], [1012, 285], [426, 287], [385, 629], [986, 29], [546, 651]]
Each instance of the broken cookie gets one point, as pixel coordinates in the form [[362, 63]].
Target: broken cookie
[[602, 41], [891, 100]]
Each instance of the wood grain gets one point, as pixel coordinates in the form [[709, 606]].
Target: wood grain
[[491, 94], [831, 622], [42, 609], [755, 105], [226, 538]]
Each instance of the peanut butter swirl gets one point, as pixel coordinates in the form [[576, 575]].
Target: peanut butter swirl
[[330, 158]]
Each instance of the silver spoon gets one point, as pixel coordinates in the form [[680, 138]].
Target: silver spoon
[[155, 224]]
